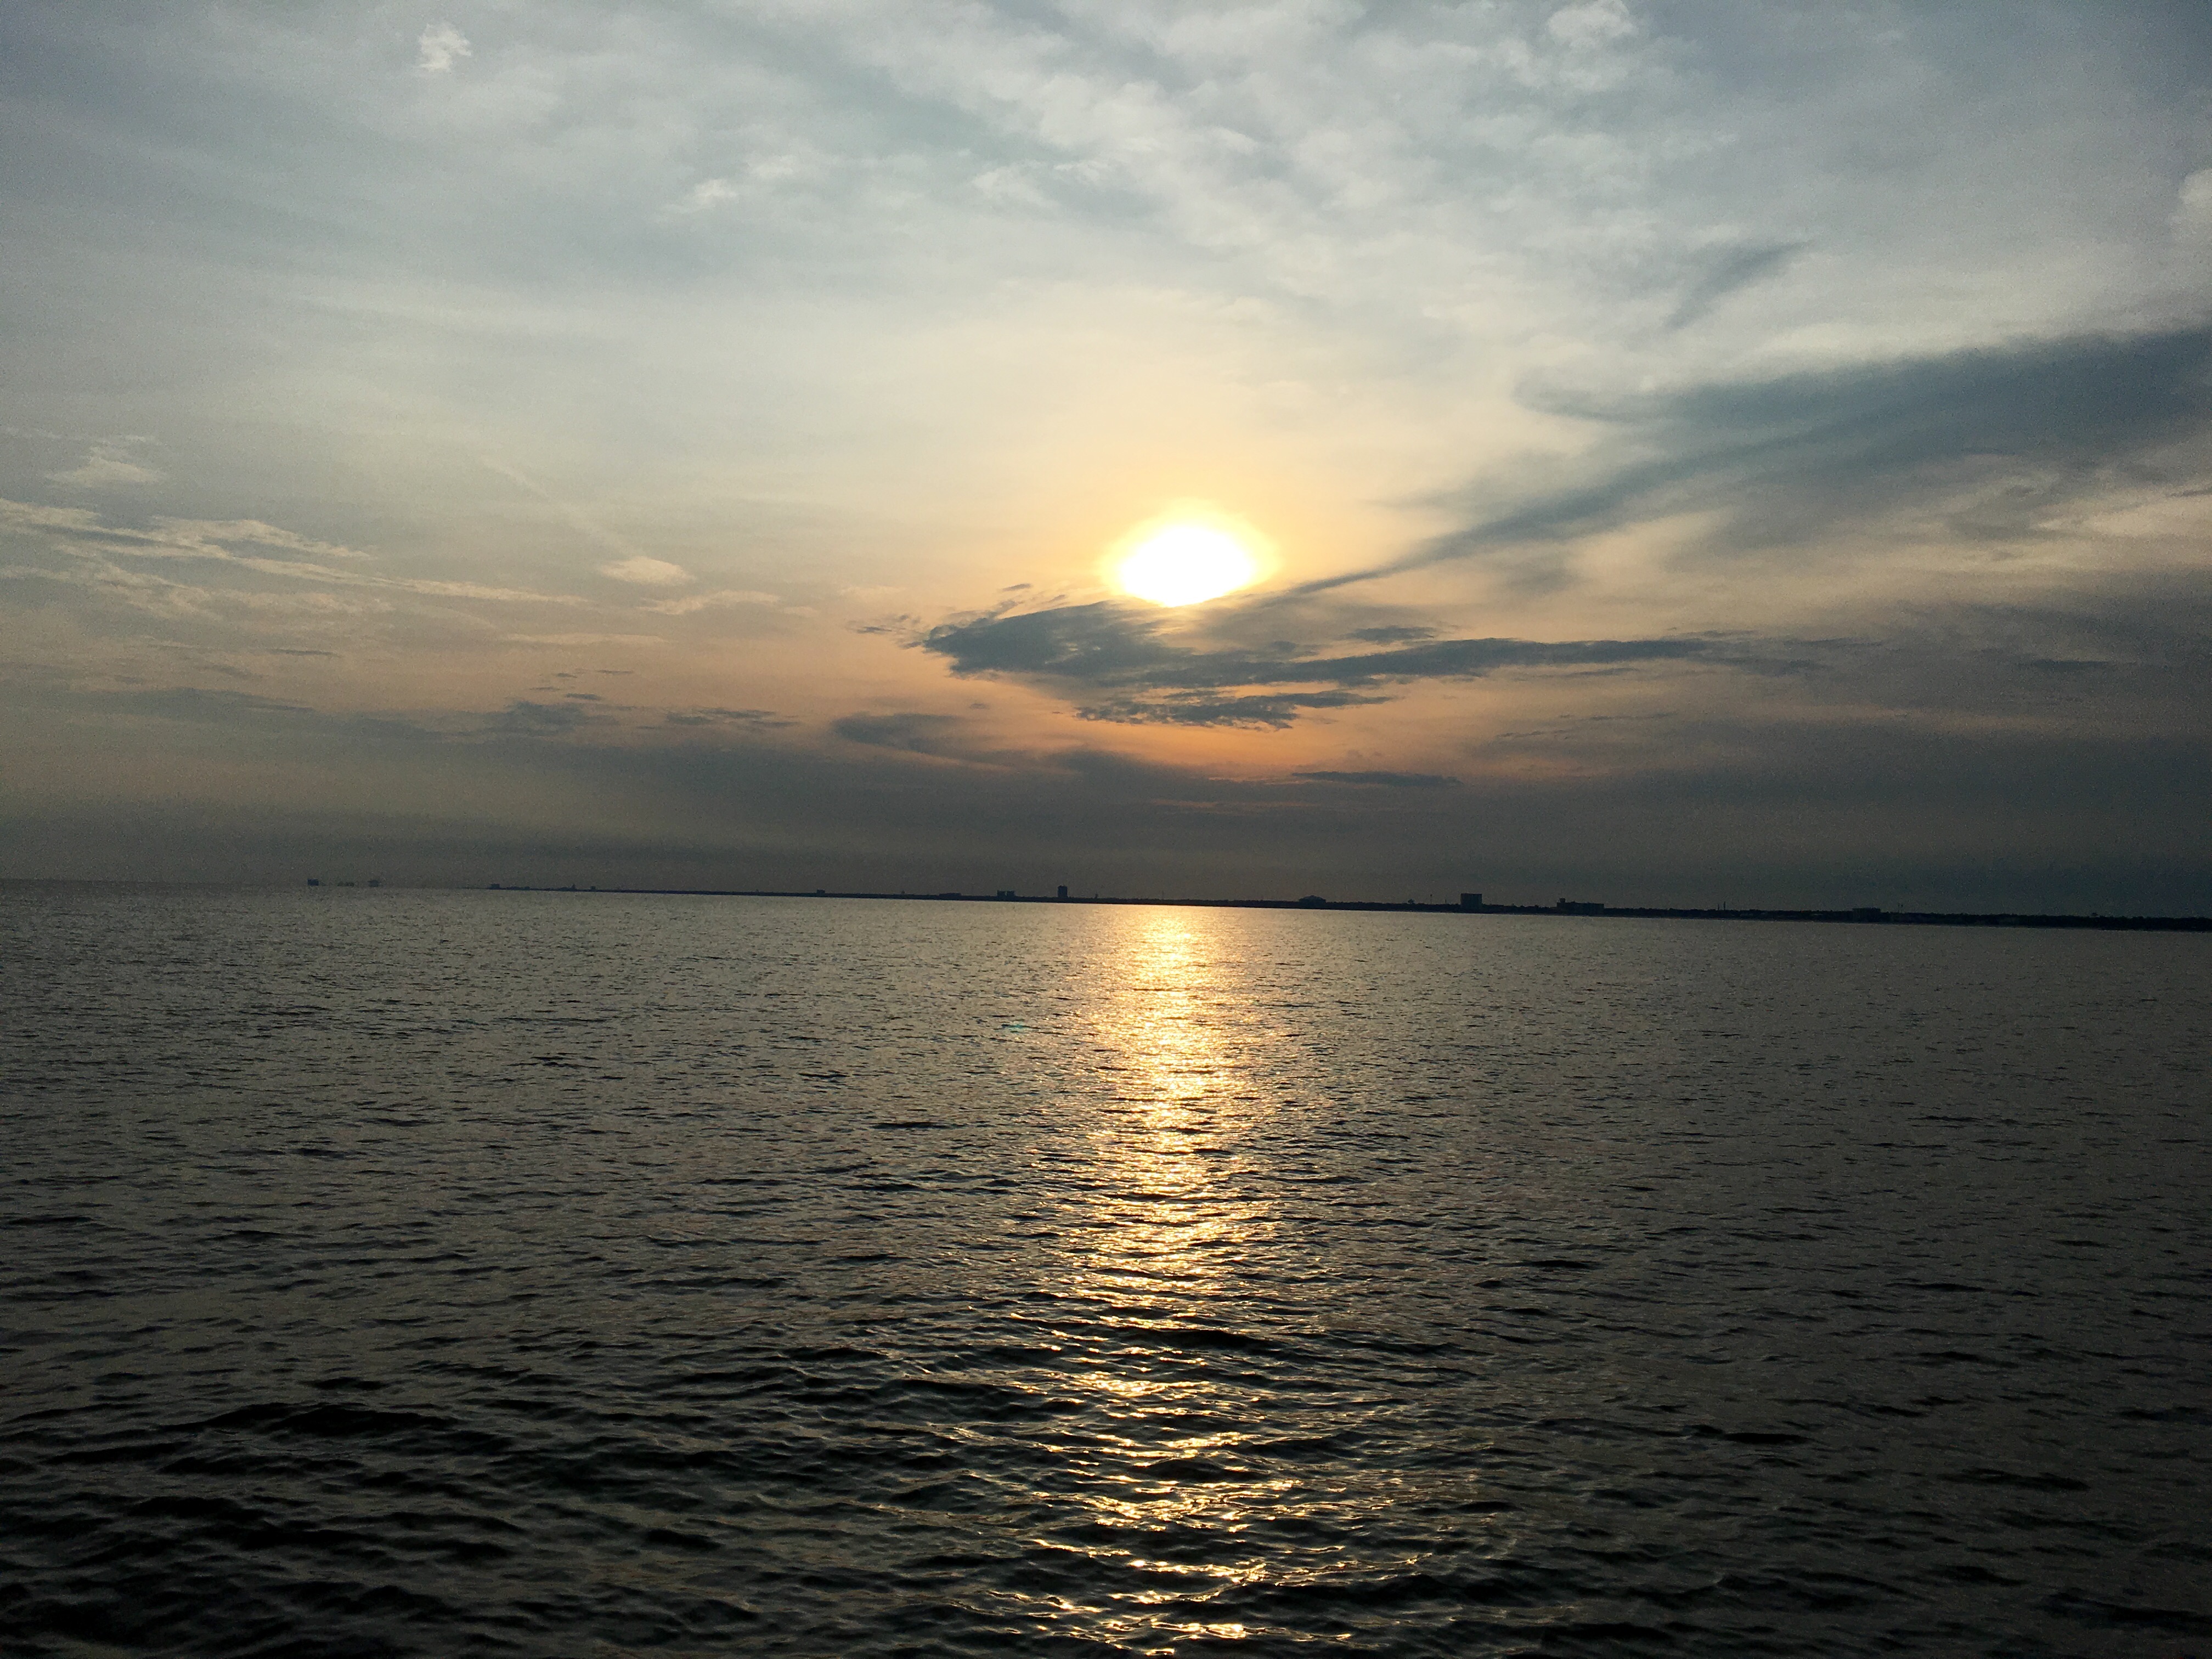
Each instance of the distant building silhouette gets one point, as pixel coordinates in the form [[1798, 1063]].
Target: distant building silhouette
[[1578, 907], [1063, 890], [1470, 901]]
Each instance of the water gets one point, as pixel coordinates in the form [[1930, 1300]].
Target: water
[[421, 1273]]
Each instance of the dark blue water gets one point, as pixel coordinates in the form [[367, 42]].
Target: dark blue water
[[568, 1275]]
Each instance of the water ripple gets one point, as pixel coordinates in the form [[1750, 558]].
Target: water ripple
[[397, 1274]]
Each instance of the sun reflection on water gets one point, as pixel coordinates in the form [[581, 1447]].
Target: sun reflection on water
[[1210, 1379], [1173, 1220], [1170, 1214]]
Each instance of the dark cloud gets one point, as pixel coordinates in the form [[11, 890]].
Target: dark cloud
[[757, 718], [1267, 710], [1998, 438], [1105, 646], [1102, 643], [1384, 779], [1764, 808], [2018, 796]]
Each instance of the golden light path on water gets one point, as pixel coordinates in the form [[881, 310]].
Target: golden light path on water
[[1182, 1257], [1163, 1243]]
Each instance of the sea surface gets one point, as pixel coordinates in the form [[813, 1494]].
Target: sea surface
[[394, 1272]]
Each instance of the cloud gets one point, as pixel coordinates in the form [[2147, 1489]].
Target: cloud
[[582, 639], [2193, 214], [205, 538], [440, 47], [691, 603], [1107, 645], [1954, 765], [84, 534], [754, 719], [1270, 711], [203, 535], [1997, 439], [638, 567], [524, 719], [707, 193], [110, 465], [1726, 271], [1384, 779], [914, 734], [194, 704], [1595, 23]]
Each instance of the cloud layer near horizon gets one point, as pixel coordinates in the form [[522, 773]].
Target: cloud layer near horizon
[[1708, 446]]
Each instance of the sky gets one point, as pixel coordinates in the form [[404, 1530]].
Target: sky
[[1697, 452]]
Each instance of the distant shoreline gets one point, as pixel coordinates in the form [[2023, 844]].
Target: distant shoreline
[[1863, 916]]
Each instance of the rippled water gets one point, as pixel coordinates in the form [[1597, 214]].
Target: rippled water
[[438, 1274]]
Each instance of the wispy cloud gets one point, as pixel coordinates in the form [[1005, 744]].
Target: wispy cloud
[[1998, 438], [1727, 270], [112, 464], [582, 639], [691, 603], [650, 572], [231, 542]]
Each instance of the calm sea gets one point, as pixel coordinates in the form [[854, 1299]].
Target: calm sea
[[424, 1274]]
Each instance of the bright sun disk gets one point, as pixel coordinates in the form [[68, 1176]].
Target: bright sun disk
[[1184, 563]]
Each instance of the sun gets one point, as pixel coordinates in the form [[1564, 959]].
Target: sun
[[1182, 562]]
